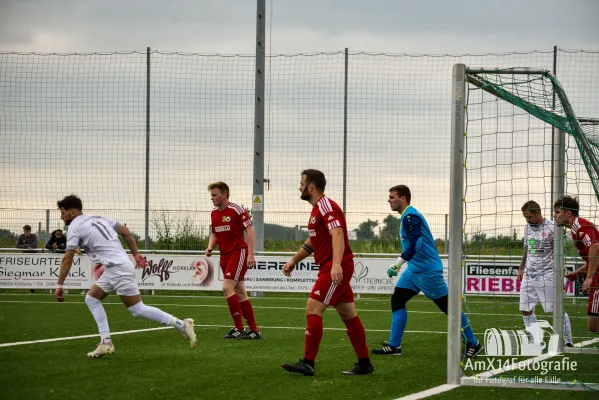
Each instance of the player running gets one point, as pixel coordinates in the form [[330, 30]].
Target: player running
[[98, 236]]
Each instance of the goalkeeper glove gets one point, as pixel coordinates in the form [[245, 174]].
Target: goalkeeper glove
[[393, 270]]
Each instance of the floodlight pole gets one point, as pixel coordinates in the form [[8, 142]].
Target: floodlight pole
[[258, 185]]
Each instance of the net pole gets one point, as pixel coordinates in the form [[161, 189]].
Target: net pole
[[554, 129], [345, 132], [47, 233], [456, 212], [147, 200], [559, 177], [258, 185]]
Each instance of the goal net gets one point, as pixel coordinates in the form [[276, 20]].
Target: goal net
[[517, 139]]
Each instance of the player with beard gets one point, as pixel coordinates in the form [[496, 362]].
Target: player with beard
[[586, 238], [329, 242], [99, 237]]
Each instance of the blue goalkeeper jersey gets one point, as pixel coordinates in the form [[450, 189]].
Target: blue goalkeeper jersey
[[417, 242]]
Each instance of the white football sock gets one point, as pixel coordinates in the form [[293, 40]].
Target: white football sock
[[97, 310], [140, 310], [529, 319], [567, 329]]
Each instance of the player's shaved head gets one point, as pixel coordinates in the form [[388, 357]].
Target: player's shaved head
[[531, 206]]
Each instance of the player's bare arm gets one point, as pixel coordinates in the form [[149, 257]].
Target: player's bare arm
[[302, 253], [591, 267], [65, 267], [573, 275], [130, 240], [338, 241], [251, 241], [211, 244], [522, 264]]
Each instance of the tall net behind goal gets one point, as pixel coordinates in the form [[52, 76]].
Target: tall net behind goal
[[523, 141]]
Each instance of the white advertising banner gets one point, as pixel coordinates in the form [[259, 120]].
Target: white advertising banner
[[499, 278], [186, 272], [204, 273], [194, 272], [40, 271]]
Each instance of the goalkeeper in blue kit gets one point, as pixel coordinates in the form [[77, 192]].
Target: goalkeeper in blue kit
[[424, 273]]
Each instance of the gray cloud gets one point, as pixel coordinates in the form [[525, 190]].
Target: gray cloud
[[429, 26]]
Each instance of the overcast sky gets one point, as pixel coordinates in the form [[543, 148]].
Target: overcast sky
[[228, 26]]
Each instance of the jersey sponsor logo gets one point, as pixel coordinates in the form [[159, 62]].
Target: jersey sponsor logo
[[223, 228], [226, 219], [312, 232]]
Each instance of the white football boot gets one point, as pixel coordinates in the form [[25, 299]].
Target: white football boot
[[189, 332], [102, 350]]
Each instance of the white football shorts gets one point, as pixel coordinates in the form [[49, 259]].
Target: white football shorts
[[119, 279], [537, 290]]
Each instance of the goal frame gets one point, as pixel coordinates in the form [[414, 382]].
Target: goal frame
[[462, 76]]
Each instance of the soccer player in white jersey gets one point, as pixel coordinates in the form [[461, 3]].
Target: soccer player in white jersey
[[536, 269], [98, 236]]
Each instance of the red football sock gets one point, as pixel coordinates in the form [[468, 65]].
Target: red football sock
[[357, 336], [248, 313], [313, 336], [235, 310]]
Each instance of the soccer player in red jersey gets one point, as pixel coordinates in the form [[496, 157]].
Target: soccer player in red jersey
[[329, 243], [229, 222], [586, 238]]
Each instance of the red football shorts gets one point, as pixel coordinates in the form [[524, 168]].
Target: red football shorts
[[593, 300], [330, 293], [234, 265]]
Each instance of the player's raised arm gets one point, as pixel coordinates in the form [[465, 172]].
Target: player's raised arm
[[130, 240]]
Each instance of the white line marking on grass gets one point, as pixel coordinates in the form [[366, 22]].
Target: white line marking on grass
[[81, 337], [256, 307], [198, 325], [429, 392], [587, 342], [199, 305]]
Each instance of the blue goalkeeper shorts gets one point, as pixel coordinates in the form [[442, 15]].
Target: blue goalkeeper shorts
[[431, 283]]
